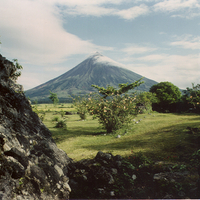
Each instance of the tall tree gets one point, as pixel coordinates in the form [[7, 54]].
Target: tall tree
[[54, 98]]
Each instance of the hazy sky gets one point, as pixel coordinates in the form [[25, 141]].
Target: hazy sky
[[158, 39]]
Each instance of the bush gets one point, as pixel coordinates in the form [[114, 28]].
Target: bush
[[112, 113], [61, 124], [80, 104], [144, 102], [112, 107], [55, 119]]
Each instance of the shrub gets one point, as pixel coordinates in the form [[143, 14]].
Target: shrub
[[62, 113], [112, 107], [80, 104], [61, 124], [55, 119], [144, 101]]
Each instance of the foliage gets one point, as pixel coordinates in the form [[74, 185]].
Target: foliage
[[145, 99], [192, 96], [62, 113], [42, 116], [167, 94], [55, 119], [138, 160], [112, 107], [54, 98], [61, 124], [195, 160], [80, 104], [15, 73], [123, 88]]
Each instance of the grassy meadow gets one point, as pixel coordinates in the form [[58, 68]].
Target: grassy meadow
[[157, 135]]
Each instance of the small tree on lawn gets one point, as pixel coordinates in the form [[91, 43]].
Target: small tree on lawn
[[113, 107], [54, 98], [80, 104]]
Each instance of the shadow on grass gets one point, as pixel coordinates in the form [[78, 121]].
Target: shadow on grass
[[169, 140], [60, 135]]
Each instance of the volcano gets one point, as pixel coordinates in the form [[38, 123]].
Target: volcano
[[95, 70]]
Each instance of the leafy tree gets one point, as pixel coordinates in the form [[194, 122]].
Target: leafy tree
[[123, 88], [192, 97], [167, 94], [112, 106], [145, 100], [54, 98]]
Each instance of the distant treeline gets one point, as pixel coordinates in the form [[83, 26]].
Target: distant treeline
[[47, 100]]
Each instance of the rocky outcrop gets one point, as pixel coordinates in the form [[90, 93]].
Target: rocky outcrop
[[105, 176], [31, 165], [114, 177]]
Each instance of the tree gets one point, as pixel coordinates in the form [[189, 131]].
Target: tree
[[113, 107], [167, 94], [144, 101], [54, 98], [192, 97], [123, 88]]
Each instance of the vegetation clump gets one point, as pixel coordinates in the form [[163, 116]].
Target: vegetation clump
[[167, 95], [54, 98], [61, 124], [192, 97], [112, 107], [16, 70]]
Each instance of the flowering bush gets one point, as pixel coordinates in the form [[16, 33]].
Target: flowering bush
[[112, 107]]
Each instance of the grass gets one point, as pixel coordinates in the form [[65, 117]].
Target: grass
[[156, 135]]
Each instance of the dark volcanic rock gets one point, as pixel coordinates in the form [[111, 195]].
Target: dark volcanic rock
[[32, 167]]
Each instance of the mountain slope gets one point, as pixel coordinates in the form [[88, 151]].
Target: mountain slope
[[96, 69]]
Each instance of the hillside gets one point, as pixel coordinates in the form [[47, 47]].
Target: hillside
[[96, 69]]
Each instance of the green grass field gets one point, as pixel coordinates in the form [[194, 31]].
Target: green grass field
[[157, 135]]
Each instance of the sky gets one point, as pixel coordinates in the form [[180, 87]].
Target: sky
[[158, 39]]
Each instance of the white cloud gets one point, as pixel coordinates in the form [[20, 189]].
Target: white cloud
[[187, 42], [183, 8], [133, 12], [84, 2], [178, 69], [173, 5], [88, 10], [132, 49], [99, 10], [32, 31]]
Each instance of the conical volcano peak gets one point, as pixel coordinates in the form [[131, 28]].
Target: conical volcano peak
[[95, 55], [99, 58], [96, 69]]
